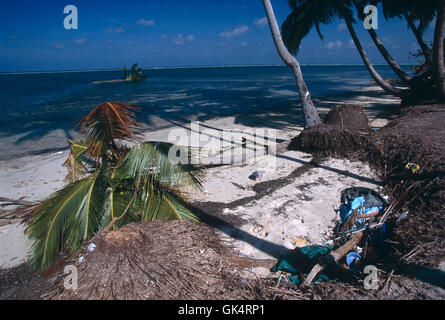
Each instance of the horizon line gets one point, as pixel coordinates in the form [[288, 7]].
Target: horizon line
[[195, 67]]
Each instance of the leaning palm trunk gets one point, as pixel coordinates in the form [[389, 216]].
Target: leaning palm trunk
[[311, 116], [386, 55], [385, 85], [438, 55], [418, 35]]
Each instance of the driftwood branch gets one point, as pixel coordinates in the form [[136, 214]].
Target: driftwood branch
[[246, 262], [335, 255]]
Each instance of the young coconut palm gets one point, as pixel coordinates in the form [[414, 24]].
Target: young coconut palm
[[110, 184], [135, 73]]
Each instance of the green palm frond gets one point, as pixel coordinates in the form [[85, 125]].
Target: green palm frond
[[151, 161], [135, 73], [306, 15], [133, 69], [118, 196], [67, 218], [160, 202], [124, 70], [423, 11], [77, 162]]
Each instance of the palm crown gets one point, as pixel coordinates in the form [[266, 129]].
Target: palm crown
[[134, 74], [110, 184]]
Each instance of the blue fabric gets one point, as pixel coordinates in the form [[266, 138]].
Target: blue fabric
[[358, 202], [351, 257]]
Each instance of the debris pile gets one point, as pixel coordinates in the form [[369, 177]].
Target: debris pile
[[414, 140]]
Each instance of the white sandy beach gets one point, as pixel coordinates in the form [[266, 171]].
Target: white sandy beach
[[297, 213]]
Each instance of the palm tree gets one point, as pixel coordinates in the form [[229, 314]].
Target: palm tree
[[413, 11], [311, 117], [404, 77], [375, 75], [110, 184], [438, 54], [135, 73], [307, 14]]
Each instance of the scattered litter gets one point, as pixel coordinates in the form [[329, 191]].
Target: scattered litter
[[412, 166], [257, 175], [81, 259], [91, 247], [358, 205], [352, 260], [299, 240], [57, 153], [402, 217]]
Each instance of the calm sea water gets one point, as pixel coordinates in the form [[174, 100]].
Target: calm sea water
[[34, 104]]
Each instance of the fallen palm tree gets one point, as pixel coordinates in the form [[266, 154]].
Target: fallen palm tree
[[110, 184]]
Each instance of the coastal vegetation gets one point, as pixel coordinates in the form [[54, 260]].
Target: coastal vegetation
[[134, 74], [426, 86], [117, 188], [110, 183]]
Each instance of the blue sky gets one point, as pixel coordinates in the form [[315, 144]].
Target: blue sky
[[170, 33]]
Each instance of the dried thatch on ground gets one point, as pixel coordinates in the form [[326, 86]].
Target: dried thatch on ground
[[417, 136], [352, 117], [332, 141], [344, 133], [165, 260]]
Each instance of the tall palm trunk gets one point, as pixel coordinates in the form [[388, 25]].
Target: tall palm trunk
[[385, 85], [311, 117], [379, 44], [438, 55], [418, 35]]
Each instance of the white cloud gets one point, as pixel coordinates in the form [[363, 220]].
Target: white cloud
[[165, 36], [180, 39], [143, 22], [109, 41], [12, 37], [244, 44], [114, 30], [58, 46], [234, 32], [80, 41], [341, 27], [190, 38], [351, 44], [261, 22], [334, 45]]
